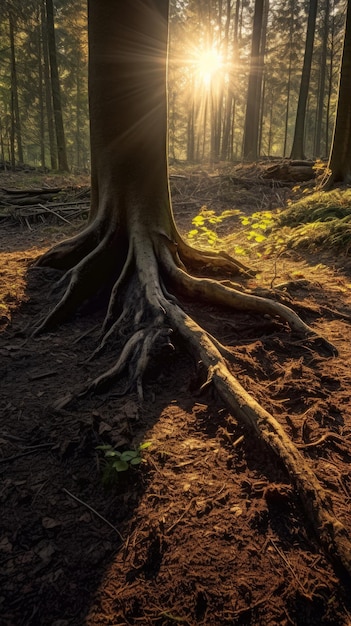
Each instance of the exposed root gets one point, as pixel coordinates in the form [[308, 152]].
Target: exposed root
[[113, 303], [127, 357], [69, 252], [85, 281], [147, 315], [215, 292], [211, 262], [317, 504]]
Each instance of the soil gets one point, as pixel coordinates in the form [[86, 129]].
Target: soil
[[208, 529]]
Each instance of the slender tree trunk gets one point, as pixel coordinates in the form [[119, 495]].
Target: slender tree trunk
[[78, 112], [297, 151], [16, 120], [2, 149], [321, 86], [48, 90], [41, 98], [330, 82], [190, 152], [340, 155], [252, 118], [56, 90]]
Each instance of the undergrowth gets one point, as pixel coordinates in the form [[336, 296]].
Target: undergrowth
[[319, 220]]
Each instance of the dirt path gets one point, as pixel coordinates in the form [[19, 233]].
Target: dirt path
[[208, 530]]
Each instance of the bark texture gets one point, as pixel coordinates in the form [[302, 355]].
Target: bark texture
[[339, 165]]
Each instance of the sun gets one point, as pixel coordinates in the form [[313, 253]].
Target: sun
[[208, 64]]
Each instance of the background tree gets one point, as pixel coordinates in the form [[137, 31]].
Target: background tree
[[56, 89], [132, 247], [208, 79], [297, 151], [340, 157], [254, 92]]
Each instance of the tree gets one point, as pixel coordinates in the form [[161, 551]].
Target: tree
[[131, 243], [254, 92], [56, 90], [297, 151], [339, 164], [322, 77]]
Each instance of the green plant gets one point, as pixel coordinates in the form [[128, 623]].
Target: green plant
[[202, 233], [116, 461]]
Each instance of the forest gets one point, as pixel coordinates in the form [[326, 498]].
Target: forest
[[214, 55], [175, 308]]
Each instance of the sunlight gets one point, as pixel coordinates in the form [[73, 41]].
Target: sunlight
[[207, 64]]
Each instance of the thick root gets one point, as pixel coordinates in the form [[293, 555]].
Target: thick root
[[69, 252], [85, 281], [218, 293], [332, 534], [208, 262]]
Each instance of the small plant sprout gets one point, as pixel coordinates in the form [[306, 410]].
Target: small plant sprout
[[117, 462]]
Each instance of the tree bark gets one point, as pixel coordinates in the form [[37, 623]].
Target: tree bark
[[56, 90], [339, 164], [15, 112], [48, 90], [321, 86], [297, 151], [253, 106]]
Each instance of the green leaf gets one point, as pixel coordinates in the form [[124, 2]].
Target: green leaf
[[145, 445], [136, 461], [111, 453], [239, 250], [105, 447], [128, 455], [230, 212], [120, 466]]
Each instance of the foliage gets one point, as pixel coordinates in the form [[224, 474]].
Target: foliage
[[318, 220], [116, 462], [204, 235], [253, 230]]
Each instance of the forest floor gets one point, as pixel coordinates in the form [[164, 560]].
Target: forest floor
[[208, 530]]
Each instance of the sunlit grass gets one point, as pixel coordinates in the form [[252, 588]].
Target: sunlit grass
[[319, 221]]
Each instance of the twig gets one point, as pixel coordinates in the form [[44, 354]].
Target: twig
[[328, 435], [46, 208], [282, 556], [94, 511], [20, 454], [91, 330]]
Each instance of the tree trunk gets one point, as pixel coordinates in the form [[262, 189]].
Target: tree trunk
[[15, 112], [321, 85], [297, 151], [48, 90], [56, 91], [41, 97], [288, 86], [330, 81], [252, 117], [340, 156], [132, 243]]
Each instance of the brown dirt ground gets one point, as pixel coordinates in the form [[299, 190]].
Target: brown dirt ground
[[208, 530]]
